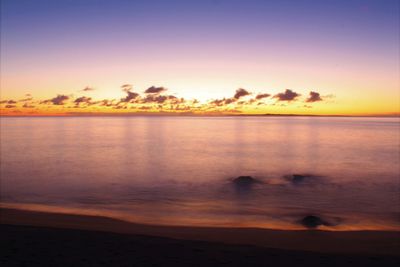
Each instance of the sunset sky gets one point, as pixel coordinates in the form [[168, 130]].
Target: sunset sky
[[200, 57]]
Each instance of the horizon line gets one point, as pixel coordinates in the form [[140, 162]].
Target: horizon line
[[171, 114]]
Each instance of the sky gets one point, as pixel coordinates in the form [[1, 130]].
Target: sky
[[69, 57]]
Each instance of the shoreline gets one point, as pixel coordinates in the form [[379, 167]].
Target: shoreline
[[343, 242]]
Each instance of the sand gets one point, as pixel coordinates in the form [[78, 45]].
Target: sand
[[41, 239]]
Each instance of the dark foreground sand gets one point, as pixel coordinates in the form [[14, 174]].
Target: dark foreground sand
[[49, 239]]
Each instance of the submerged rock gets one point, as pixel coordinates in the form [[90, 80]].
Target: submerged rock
[[298, 178], [244, 181], [312, 221]]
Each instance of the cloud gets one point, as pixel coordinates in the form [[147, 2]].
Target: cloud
[[8, 102], [131, 95], [87, 89], [58, 100], [314, 97], [83, 99], [226, 101], [26, 105], [261, 96], [223, 101], [329, 96], [153, 99], [161, 99], [26, 99], [240, 93], [106, 103], [180, 108], [218, 102], [228, 110], [126, 87], [229, 101], [288, 95], [251, 101], [120, 107], [155, 90]]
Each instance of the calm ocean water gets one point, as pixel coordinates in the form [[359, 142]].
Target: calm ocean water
[[180, 170]]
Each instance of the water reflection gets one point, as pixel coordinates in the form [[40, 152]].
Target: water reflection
[[181, 170]]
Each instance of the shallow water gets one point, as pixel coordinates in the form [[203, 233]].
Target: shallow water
[[179, 170]]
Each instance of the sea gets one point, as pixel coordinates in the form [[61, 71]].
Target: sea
[[182, 170]]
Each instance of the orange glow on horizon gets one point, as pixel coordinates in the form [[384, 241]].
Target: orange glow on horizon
[[162, 102]]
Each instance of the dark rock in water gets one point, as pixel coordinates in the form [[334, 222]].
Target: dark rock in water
[[244, 181], [298, 178], [312, 221]]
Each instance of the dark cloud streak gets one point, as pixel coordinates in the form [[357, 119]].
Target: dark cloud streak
[[87, 89], [8, 102], [26, 99], [83, 99], [261, 96], [155, 90], [126, 87], [58, 100], [26, 105]]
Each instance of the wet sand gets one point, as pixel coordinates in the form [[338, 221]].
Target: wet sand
[[37, 238]]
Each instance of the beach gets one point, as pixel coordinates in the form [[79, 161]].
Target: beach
[[32, 238]]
